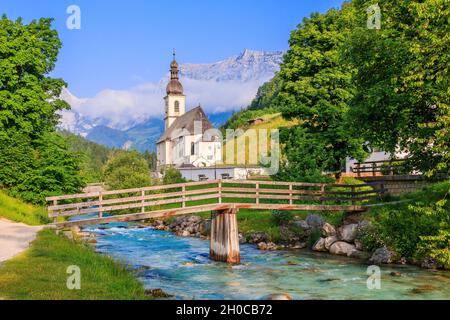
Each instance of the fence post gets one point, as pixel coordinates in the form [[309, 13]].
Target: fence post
[[257, 193], [290, 194], [373, 168], [183, 190], [142, 201], [100, 204], [322, 193], [220, 191], [55, 203], [353, 195]]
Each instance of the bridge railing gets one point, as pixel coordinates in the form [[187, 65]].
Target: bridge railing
[[381, 168], [206, 195]]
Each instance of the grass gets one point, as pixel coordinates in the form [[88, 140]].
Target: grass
[[19, 211], [40, 273]]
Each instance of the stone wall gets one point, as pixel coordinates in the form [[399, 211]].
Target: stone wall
[[398, 185]]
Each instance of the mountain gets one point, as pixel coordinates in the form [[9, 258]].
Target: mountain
[[133, 118]]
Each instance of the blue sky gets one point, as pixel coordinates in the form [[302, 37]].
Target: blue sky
[[124, 43]]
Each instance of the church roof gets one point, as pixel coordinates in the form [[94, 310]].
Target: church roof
[[174, 86], [186, 122]]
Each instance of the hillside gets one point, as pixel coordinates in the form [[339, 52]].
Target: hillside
[[269, 121]]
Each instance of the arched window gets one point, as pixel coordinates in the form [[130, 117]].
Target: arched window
[[192, 148], [177, 106]]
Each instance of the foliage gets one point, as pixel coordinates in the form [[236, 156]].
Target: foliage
[[126, 170], [316, 88], [314, 236], [33, 173], [94, 156], [281, 218], [414, 229], [40, 273], [34, 161], [16, 210], [172, 176], [151, 159], [437, 247], [402, 99], [28, 98]]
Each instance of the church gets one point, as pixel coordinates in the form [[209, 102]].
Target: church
[[184, 143]]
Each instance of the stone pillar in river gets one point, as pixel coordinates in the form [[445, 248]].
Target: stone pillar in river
[[224, 236]]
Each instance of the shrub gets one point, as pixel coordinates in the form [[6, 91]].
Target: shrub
[[315, 235], [172, 176], [416, 230], [281, 217]]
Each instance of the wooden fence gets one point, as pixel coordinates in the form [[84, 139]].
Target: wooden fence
[[194, 197], [382, 167]]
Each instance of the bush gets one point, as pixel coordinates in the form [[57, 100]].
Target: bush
[[415, 230], [314, 236], [127, 170], [172, 176], [281, 217]]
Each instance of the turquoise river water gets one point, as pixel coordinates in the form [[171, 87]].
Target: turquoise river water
[[181, 267]]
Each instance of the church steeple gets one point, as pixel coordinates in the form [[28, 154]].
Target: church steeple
[[174, 86], [175, 99]]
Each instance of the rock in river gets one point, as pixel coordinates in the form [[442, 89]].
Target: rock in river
[[343, 248], [348, 232]]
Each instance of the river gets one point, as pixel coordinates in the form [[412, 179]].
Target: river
[[181, 267]]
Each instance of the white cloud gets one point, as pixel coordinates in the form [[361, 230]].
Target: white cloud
[[120, 108]]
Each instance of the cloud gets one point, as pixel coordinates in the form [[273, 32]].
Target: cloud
[[121, 108]]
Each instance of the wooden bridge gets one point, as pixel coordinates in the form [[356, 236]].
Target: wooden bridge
[[223, 198]]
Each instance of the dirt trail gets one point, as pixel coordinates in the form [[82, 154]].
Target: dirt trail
[[15, 238]]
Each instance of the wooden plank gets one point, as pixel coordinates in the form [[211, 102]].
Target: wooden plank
[[131, 199], [134, 190], [133, 205], [143, 216]]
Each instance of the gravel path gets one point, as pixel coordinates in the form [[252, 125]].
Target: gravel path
[[15, 238]]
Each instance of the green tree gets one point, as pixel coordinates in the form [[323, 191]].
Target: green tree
[[127, 170], [172, 176], [35, 162], [53, 171], [316, 88], [28, 98], [403, 95]]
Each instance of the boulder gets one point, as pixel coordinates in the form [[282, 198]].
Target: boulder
[[319, 245], [277, 296], [205, 227], [329, 241], [267, 246], [302, 224], [242, 238], [258, 237], [358, 244], [328, 230], [348, 232], [299, 245], [343, 248], [382, 256], [287, 235], [314, 221]]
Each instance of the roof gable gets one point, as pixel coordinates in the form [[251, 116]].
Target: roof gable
[[186, 122]]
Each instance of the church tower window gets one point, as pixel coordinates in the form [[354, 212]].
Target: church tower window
[[177, 106], [192, 148]]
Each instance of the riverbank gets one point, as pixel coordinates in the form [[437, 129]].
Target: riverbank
[[40, 272]]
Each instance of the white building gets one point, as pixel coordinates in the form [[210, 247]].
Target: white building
[[184, 143]]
